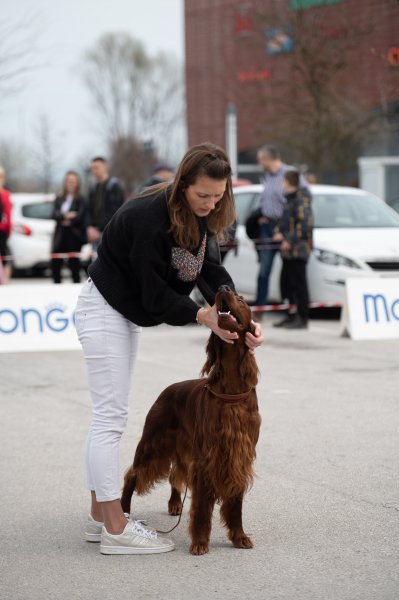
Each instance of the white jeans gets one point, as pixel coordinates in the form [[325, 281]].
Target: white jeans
[[110, 344]]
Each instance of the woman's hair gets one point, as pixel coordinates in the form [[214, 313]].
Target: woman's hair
[[77, 191], [203, 160]]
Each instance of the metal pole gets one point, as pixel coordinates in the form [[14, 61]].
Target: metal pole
[[231, 137]]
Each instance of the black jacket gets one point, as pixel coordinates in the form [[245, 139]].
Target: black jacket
[[144, 275], [72, 237], [112, 198]]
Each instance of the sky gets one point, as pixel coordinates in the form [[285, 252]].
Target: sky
[[62, 31]]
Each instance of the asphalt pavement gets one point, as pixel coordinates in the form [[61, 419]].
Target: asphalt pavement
[[323, 512]]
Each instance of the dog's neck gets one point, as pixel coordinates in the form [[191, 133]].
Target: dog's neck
[[233, 370]]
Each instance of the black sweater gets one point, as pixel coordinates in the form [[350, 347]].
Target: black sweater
[[144, 275]]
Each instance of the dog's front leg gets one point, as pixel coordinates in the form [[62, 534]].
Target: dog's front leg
[[202, 503], [231, 513]]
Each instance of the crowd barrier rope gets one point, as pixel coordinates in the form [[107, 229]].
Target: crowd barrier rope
[[260, 244], [279, 307], [263, 308]]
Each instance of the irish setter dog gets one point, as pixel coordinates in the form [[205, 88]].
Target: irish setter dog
[[202, 434]]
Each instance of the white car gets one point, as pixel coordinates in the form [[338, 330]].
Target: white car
[[32, 232], [356, 235]]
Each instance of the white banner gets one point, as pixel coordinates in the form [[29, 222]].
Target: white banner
[[38, 317], [372, 308]]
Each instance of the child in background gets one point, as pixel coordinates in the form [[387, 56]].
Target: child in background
[[294, 231]]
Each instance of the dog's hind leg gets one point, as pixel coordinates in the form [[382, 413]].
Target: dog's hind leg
[[175, 505], [177, 480], [231, 514], [128, 489]]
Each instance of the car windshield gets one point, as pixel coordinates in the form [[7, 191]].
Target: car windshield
[[38, 210], [349, 210]]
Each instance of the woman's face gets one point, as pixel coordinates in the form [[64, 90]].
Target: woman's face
[[71, 183], [203, 195]]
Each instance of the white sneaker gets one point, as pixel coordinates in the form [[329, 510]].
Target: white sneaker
[[135, 539], [93, 528]]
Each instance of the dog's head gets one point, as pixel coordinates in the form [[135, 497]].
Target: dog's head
[[234, 312], [232, 361]]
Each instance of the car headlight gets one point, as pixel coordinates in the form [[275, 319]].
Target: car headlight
[[336, 260]]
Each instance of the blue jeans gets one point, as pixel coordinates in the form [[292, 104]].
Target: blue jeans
[[266, 258]]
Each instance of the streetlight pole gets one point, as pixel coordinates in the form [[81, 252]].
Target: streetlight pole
[[231, 137]]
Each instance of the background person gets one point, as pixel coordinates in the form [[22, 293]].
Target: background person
[[271, 209], [311, 178], [5, 227], [294, 231], [105, 197], [70, 234], [161, 173], [152, 254]]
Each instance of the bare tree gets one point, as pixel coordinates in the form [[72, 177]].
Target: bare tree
[[323, 119], [135, 95], [45, 153], [127, 162], [14, 159], [162, 119], [18, 52]]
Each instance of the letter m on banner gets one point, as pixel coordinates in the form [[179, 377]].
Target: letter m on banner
[[376, 301], [371, 310]]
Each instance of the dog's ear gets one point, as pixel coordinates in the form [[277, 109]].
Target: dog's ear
[[212, 353]]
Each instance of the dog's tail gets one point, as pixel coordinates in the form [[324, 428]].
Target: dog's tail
[[128, 489]]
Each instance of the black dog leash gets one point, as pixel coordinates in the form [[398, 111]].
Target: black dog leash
[[180, 516]]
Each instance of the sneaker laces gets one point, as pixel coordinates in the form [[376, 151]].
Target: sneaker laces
[[137, 527]]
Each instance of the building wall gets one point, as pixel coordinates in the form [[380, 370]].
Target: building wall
[[226, 61]]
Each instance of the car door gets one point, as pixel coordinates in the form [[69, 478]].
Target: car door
[[243, 265]]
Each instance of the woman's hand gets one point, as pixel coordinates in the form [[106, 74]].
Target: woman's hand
[[254, 340], [209, 317]]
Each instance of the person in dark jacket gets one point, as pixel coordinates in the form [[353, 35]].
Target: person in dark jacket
[[153, 252], [294, 231], [105, 197], [70, 234], [271, 208]]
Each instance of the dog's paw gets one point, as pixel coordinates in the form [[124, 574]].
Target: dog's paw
[[175, 508], [199, 549], [242, 542]]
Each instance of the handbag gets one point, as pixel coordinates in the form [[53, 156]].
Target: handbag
[[252, 226]]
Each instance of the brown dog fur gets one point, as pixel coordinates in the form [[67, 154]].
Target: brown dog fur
[[204, 441]]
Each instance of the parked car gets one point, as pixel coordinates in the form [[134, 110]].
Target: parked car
[[32, 232], [356, 235]]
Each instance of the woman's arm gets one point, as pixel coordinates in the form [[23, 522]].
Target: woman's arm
[[79, 214], [57, 215], [150, 266]]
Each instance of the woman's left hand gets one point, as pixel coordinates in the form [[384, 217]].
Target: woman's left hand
[[256, 339]]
